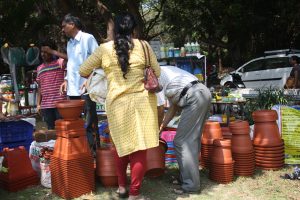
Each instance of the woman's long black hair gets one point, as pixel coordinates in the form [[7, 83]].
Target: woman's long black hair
[[124, 27]]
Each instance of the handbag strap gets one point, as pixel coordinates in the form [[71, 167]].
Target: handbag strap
[[147, 55]]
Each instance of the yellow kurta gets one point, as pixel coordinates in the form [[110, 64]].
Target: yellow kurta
[[131, 110]]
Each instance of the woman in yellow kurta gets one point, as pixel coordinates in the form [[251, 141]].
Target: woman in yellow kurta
[[131, 110]]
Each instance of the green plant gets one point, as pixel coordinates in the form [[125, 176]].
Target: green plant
[[265, 100]]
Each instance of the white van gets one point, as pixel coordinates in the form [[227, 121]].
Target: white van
[[271, 70]]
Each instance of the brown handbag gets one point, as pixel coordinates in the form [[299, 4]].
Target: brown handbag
[[150, 80]]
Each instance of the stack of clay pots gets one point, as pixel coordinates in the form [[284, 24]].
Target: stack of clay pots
[[20, 173], [221, 169], [268, 145], [242, 148], [211, 131], [72, 166]]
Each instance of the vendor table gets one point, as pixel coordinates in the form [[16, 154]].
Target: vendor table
[[227, 108]]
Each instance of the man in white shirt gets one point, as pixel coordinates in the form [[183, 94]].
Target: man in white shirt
[[185, 92], [80, 46]]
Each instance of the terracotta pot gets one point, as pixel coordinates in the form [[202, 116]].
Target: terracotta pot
[[279, 161], [156, 160], [71, 148], [269, 155], [226, 133], [71, 133], [211, 131], [65, 125], [222, 152], [266, 134], [70, 109], [106, 167], [239, 127], [268, 165], [268, 149], [20, 172], [264, 116], [241, 143]]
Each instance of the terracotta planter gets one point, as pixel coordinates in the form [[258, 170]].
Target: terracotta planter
[[156, 160], [65, 125], [20, 172], [264, 116], [70, 109], [226, 133], [211, 131], [266, 134], [239, 127], [106, 167], [71, 148], [241, 143], [71, 133], [269, 149], [222, 152]]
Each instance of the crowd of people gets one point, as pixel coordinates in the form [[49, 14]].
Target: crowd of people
[[135, 115]]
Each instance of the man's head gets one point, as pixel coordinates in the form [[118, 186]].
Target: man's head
[[294, 60], [44, 47], [71, 25]]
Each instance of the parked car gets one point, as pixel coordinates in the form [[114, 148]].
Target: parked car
[[270, 70]]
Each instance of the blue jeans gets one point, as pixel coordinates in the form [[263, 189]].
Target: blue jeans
[[91, 120]]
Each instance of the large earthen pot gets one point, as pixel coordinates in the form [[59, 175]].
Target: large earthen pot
[[106, 167], [70, 109]]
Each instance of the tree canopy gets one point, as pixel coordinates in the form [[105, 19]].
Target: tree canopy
[[241, 29]]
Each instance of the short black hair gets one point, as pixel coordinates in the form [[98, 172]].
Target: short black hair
[[72, 19], [296, 58], [48, 42]]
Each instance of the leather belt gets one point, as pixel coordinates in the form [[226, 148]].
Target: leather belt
[[187, 87]]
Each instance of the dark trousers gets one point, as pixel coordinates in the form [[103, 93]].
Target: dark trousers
[[49, 116], [91, 120]]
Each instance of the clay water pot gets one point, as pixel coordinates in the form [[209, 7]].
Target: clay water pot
[[70, 109], [239, 127], [211, 131], [222, 152], [264, 116], [156, 160], [106, 167]]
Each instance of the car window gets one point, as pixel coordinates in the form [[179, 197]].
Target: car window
[[254, 66], [274, 63]]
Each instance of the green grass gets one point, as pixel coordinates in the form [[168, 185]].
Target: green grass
[[264, 185]]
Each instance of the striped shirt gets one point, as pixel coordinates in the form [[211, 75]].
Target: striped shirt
[[49, 77]]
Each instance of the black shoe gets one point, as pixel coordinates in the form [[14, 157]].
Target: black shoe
[[123, 195]]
